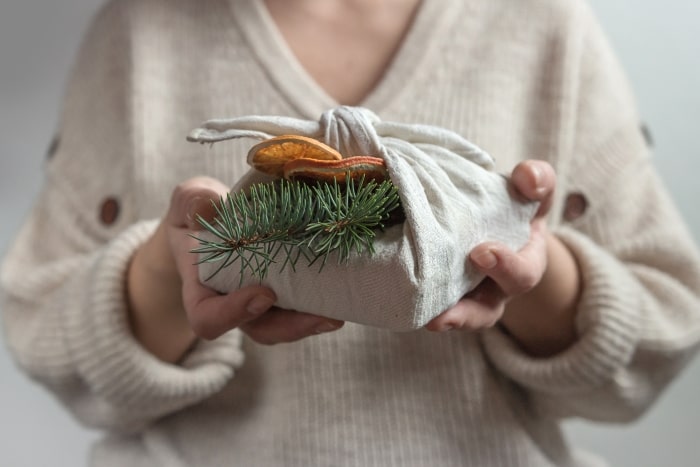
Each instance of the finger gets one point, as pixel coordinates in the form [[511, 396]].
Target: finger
[[212, 314], [482, 308], [535, 180], [279, 325], [514, 272], [194, 197], [209, 312]]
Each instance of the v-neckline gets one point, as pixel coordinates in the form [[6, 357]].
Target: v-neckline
[[427, 29]]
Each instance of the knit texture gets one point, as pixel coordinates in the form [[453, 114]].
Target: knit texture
[[533, 78]]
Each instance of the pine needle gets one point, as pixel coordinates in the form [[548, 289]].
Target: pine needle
[[285, 221]]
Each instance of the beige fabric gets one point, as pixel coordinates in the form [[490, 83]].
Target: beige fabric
[[533, 78], [453, 201]]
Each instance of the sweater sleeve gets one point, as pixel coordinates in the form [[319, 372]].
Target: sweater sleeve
[[638, 318], [63, 279]]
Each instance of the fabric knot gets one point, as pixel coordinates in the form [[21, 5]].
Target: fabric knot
[[351, 131]]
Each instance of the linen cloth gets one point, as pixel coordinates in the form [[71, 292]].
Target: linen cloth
[[453, 200]]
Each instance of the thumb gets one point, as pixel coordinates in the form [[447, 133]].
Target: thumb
[[192, 198], [535, 180]]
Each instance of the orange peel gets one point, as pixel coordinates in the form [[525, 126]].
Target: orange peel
[[271, 155], [371, 168]]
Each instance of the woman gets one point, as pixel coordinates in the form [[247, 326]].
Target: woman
[[595, 315]]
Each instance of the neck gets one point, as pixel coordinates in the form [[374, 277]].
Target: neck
[[345, 45], [334, 10]]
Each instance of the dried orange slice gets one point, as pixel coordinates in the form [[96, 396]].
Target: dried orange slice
[[271, 155], [371, 168]]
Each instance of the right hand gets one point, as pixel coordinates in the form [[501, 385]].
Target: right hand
[[170, 307]]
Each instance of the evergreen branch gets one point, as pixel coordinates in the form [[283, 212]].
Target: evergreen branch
[[295, 220]]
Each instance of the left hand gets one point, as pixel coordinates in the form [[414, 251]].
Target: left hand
[[508, 273]]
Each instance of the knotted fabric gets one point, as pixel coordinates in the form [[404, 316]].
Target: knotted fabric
[[453, 201]]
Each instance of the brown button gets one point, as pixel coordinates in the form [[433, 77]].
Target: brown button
[[646, 132], [576, 205], [53, 147], [109, 211]]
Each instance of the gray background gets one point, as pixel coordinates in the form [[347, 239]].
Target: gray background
[[658, 45]]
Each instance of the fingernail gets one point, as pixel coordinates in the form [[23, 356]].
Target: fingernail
[[259, 305], [486, 260], [446, 327], [538, 174], [326, 326]]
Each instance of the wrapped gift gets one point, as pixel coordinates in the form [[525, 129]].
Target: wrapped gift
[[451, 200]]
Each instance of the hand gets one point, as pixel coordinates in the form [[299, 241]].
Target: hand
[[532, 292], [169, 306]]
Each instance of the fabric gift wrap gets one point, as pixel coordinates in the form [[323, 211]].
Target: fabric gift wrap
[[452, 198]]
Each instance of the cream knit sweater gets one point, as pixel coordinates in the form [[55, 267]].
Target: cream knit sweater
[[525, 79]]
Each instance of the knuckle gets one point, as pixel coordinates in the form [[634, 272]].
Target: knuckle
[[188, 188], [519, 278], [527, 281], [492, 321], [180, 192]]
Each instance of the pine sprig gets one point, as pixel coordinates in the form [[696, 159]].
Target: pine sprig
[[348, 218], [294, 220]]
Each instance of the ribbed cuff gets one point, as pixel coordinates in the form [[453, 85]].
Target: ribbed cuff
[[606, 323], [115, 366]]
